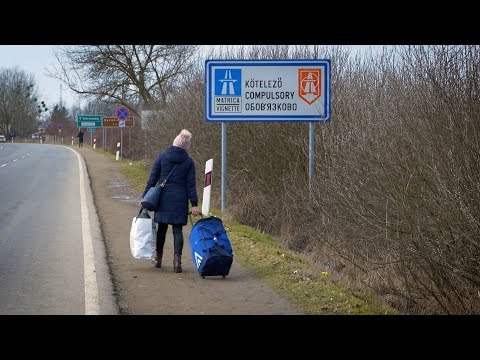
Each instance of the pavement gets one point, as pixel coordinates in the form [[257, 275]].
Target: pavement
[[140, 288]]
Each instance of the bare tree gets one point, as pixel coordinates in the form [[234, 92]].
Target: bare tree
[[133, 75], [17, 101]]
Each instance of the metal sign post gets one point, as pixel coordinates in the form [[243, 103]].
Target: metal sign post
[[122, 114], [224, 166]]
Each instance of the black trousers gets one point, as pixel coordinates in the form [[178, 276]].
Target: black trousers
[[177, 237]]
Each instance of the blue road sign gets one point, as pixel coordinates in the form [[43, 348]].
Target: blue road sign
[[122, 113], [268, 90]]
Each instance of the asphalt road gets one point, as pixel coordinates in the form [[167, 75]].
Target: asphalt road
[[52, 256]]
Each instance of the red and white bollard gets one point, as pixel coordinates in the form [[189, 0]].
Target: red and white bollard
[[207, 188]]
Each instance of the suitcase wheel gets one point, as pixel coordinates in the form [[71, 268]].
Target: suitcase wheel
[[203, 276], [223, 276]]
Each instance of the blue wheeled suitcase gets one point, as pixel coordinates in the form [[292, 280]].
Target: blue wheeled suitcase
[[211, 249]]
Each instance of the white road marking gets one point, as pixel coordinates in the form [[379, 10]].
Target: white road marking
[[15, 159], [92, 306]]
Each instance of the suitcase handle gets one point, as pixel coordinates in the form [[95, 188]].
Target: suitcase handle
[[190, 216]]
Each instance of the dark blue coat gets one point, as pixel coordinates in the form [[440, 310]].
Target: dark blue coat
[[180, 186]]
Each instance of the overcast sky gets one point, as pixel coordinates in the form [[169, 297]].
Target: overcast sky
[[34, 59]]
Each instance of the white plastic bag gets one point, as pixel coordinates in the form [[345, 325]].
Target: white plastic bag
[[142, 236]]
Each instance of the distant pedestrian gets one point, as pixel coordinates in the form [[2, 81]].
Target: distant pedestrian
[[180, 188], [80, 138]]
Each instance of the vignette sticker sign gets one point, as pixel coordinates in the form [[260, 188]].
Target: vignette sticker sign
[[267, 90]]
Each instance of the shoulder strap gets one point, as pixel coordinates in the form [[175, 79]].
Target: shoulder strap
[[170, 173], [215, 242], [220, 249]]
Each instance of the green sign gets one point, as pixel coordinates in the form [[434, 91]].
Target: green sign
[[92, 129], [89, 121]]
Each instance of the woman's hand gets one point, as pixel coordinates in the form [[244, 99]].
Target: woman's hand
[[195, 210]]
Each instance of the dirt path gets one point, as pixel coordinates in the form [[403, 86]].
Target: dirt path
[[141, 288]]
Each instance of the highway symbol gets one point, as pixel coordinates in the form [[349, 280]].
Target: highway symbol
[[229, 82]]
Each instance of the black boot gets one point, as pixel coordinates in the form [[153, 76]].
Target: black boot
[[157, 260], [177, 263]]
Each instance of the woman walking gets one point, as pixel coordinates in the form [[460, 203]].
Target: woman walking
[[179, 189]]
